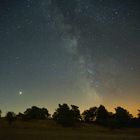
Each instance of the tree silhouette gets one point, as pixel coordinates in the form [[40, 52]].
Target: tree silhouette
[[36, 113], [66, 116], [102, 115], [76, 113], [10, 116], [63, 115], [123, 116], [69, 116], [89, 115]]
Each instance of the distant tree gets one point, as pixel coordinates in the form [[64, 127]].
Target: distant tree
[[75, 113], [10, 116], [89, 115], [112, 122], [45, 113], [66, 116], [63, 115], [123, 116], [102, 115], [36, 113]]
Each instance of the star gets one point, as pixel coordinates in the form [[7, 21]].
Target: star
[[20, 93]]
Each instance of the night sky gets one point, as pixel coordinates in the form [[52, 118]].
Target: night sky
[[82, 52]]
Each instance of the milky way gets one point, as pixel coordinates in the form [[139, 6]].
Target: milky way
[[81, 52]]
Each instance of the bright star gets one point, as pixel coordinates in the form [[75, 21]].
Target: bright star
[[20, 92]]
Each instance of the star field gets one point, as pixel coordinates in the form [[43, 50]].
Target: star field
[[80, 52]]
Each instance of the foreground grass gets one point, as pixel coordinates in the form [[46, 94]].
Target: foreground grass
[[49, 130]]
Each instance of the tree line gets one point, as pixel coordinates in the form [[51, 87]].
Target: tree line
[[70, 116]]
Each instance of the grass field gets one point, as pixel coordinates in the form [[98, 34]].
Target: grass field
[[48, 130]]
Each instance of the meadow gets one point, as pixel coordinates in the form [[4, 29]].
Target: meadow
[[49, 130]]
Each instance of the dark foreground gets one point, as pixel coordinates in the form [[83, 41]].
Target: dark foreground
[[50, 131]]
